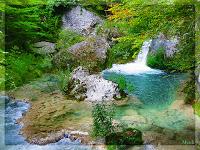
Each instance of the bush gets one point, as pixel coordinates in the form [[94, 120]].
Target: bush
[[54, 5], [119, 54], [63, 80], [26, 24], [129, 136], [157, 59], [22, 68], [122, 83], [102, 120]]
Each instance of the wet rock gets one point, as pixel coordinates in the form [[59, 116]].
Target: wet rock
[[129, 136], [81, 20], [84, 86], [44, 48], [169, 45]]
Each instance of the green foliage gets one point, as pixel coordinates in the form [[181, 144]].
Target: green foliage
[[122, 83], [2, 78], [196, 107], [25, 25], [63, 80], [140, 22], [53, 4], [189, 89], [102, 120], [119, 53], [128, 136], [65, 59], [68, 38], [21, 68], [157, 59]]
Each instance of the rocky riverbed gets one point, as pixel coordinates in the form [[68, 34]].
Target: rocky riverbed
[[52, 116]]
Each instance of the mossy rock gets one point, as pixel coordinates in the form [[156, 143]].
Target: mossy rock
[[129, 136], [90, 54]]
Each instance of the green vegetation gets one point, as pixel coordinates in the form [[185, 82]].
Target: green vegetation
[[21, 68], [63, 80], [196, 107], [25, 25], [189, 89], [30, 23], [157, 60], [137, 23], [2, 55], [103, 127], [67, 38], [128, 136], [122, 83], [102, 120]]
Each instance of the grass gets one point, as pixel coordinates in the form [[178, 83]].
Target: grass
[[22, 68], [68, 38]]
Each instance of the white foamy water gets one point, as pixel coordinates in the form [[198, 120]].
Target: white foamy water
[[137, 67]]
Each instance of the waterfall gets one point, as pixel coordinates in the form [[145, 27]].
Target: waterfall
[[142, 56], [138, 66]]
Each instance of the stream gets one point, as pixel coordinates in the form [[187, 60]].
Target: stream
[[154, 92], [14, 110], [149, 105]]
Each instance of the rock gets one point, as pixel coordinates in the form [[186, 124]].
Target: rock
[[94, 48], [84, 86], [81, 20], [129, 136], [89, 53], [44, 48], [169, 45]]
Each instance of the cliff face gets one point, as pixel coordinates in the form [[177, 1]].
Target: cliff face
[[169, 45]]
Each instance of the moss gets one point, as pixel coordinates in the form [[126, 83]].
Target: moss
[[68, 38], [62, 117], [129, 136]]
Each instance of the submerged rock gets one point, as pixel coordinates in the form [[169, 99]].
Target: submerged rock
[[169, 45], [44, 48], [129, 136], [81, 20], [84, 86]]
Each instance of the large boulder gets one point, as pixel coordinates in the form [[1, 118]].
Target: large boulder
[[169, 45], [95, 48], [90, 53], [44, 48], [81, 20], [93, 88]]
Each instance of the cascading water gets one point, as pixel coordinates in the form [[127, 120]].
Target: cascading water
[[153, 87], [137, 67]]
